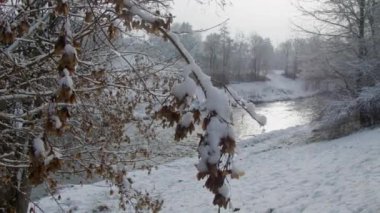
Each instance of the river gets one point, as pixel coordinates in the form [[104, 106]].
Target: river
[[280, 115]]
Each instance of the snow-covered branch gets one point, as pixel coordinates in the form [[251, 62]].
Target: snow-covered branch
[[31, 30], [25, 95], [219, 138]]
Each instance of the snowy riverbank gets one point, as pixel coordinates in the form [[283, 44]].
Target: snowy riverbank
[[277, 88], [341, 175]]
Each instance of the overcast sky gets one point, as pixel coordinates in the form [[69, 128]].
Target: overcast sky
[[269, 18]]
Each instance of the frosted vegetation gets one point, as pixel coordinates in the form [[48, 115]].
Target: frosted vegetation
[[118, 92]]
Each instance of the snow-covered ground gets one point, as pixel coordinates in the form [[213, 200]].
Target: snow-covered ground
[[277, 88], [283, 174]]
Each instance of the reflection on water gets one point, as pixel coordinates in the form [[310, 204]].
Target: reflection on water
[[280, 115]]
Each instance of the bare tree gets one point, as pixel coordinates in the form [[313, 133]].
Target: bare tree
[[239, 58], [261, 52], [226, 43], [349, 27], [212, 47]]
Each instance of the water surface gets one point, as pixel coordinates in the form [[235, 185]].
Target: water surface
[[280, 115]]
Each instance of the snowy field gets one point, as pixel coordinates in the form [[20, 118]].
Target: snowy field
[[278, 88], [282, 175]]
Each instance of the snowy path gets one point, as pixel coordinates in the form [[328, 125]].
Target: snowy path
[[342, 175]]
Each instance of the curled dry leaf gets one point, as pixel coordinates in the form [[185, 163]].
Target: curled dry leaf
[[60, 45], [228, 145], [112, 31], [23, 27], [88, 17], [62, 8], [221, 201], [181, 131]]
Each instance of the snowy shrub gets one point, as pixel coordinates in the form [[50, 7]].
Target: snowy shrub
[[368, 104], [340, 118], [337, 119]]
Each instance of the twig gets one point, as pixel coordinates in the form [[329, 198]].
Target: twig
[[202, 30]]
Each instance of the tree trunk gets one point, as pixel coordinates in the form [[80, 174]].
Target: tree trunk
[[12, 198], [362, 46], [373, 22]]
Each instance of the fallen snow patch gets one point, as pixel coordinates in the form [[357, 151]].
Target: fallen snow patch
[[277, 88]]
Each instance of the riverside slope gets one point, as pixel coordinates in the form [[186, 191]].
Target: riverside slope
[[341, 175]]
